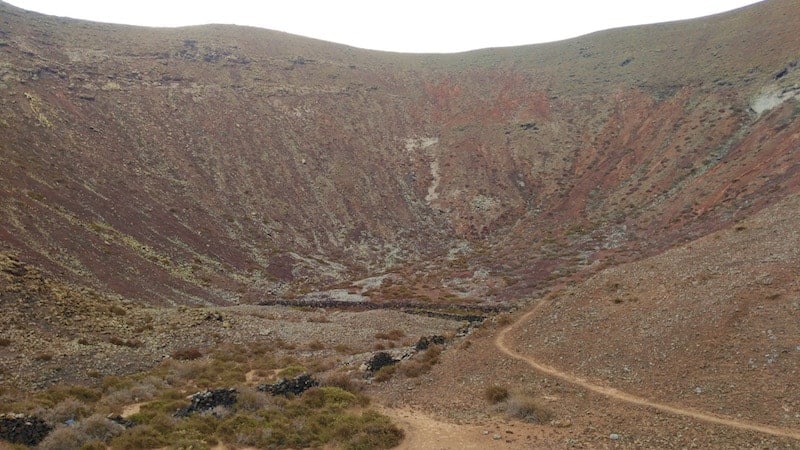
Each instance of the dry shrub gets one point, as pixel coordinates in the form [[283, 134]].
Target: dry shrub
[[252, 400], [322, 364], [431, 355], [422, 363], [117, 310], [280, 343], [319, 318], [343, 381], [528, 409], [142, 391], [385, 373], [100, 428], [187, 354], [132, 343], [504, 319], [69, 408], [44, 356], [344, 349], [413, 369], [495, 394], [392, 335], [64, 438], [316, 344]]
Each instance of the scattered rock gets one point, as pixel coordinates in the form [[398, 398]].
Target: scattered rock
[[23, 429], [207, 400], [294, 386]]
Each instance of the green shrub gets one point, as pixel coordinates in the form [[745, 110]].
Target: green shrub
[[329, 397]]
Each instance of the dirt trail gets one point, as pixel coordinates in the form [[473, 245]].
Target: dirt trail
[[630, 398], [424, 432]]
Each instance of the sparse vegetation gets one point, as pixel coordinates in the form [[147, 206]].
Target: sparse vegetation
[[241, 172], [331, 415]]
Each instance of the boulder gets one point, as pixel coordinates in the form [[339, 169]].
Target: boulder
[[208, 400], [426, 341], [294, 386], [23, 429], [380, 360]]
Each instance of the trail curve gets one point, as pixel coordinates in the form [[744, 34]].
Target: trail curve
[[622, 396]]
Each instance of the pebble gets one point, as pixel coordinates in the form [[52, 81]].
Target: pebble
[[614, 436], [497, 437]]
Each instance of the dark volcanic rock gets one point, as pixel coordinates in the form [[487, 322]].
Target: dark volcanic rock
[[207, 400], [426, 341], [294, 386], [380, 360], [22, 429]]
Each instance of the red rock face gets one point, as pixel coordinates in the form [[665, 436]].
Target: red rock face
[[220, 164]]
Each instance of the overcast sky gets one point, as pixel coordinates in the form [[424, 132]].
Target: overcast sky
[[406, 26]]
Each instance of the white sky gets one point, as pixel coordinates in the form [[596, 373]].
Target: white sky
[[398, 25]]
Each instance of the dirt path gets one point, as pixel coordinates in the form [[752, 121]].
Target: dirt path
[[630, 398], [424, 432]]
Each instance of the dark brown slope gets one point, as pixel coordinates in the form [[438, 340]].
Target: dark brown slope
[[224, 164]]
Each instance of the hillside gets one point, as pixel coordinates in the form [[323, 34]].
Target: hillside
[[642, 181]]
